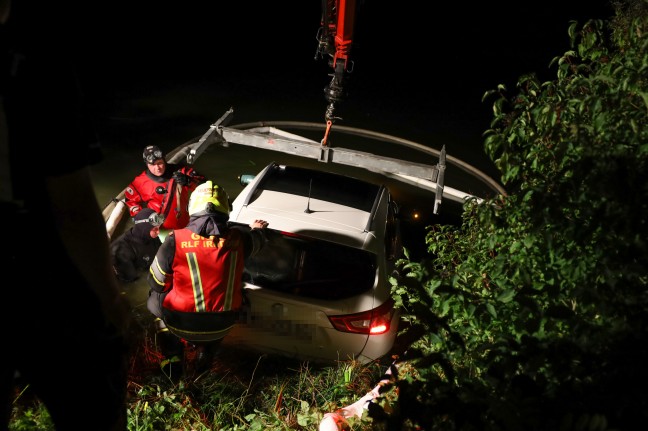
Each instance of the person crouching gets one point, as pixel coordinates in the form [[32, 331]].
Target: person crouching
[[195, 279]]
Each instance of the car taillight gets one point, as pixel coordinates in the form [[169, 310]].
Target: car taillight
[[372, 322]]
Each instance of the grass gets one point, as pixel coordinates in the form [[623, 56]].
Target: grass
[[241, 391]]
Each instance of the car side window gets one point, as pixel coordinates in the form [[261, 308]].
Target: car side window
[[393, 244]]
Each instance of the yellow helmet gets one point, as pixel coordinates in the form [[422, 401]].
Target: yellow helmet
[[209, 198]]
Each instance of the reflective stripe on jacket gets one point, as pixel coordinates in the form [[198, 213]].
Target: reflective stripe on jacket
[[207, 272]]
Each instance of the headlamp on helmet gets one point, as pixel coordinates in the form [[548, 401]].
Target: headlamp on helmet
[[151, 154], [209, 198]]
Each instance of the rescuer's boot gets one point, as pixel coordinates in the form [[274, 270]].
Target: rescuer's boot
[[172, 351], [204, 358], [205, 355]]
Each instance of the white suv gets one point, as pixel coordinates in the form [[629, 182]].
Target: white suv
[[320, 289]]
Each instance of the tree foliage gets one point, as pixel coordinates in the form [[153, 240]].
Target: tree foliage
[[533, 314]]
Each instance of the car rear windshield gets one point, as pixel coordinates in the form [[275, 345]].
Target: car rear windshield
[[321, 185], [311, 268]]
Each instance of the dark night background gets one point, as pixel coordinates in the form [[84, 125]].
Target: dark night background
[[163, 72], [420, 69]]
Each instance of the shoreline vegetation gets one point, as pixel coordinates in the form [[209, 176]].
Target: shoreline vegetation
[[241, 390]]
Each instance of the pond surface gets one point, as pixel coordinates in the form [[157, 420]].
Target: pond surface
[[168, 114]]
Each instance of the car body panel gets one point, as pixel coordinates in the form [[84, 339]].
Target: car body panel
[[327, 220], [284, 325], [316, 240]]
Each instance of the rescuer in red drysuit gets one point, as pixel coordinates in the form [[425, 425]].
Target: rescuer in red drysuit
[[162, 187]]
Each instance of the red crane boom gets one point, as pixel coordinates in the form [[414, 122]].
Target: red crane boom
[[335, 39]]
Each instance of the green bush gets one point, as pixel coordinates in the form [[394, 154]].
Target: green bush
[[532, 315]]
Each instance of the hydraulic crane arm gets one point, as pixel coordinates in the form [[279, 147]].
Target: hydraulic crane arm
[[335, 38]]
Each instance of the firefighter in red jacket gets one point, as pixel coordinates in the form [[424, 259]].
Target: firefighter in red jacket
[[196, 278], [162, 187]]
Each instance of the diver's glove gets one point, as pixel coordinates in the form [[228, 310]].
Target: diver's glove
[[181, 178]]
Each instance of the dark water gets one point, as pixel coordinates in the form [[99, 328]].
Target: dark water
[[169, 113], [166, 73]]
